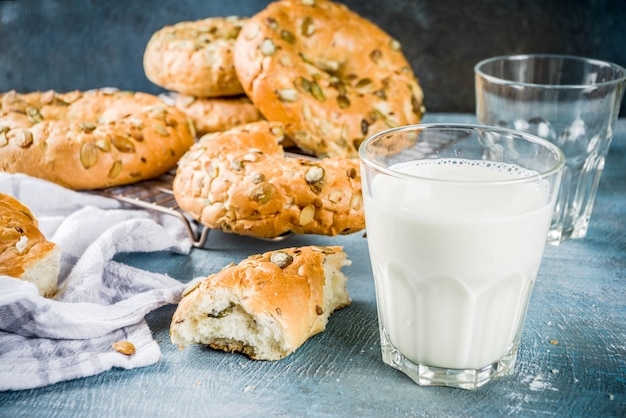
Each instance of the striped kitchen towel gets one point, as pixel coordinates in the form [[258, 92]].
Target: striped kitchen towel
[[100, 300]]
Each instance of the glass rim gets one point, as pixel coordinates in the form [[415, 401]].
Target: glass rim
[[478, 69], [558, 166]]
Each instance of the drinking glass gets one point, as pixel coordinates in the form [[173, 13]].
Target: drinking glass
[[572, 102], [456, 219]]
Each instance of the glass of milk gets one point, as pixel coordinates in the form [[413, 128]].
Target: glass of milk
[[571, 101], [456, 218]]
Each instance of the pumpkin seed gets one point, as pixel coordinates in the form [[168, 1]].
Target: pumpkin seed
[[317, 92], [116, 169], [154, 111], [263, 193], [88, 155], [278, 132], [236, 165], [322, 249], [356, 202], [306, 111], [257, 178], [24, 138], [87, 126], [123, 144], [124, 347], [267, 47], [376, 55], [160, 129], [271, 23], [308, 27], [365, 125], [34, 116], [288, 95], [343, 102], [281, 259], [336, 196], [306, 84], [314, 174], [137, 135], [211, 170], [416, 105], [287, 36], [306, 215], [250, 157], [47, 97], [136, 122], [222, 313], [364, 82]]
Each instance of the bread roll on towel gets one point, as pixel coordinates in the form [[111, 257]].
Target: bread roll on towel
[[24, 251], [266, 306]]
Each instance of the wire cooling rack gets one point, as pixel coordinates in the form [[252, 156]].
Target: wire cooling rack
[[157, 195]]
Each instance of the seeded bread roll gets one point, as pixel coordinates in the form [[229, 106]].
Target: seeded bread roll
[[215, 114], [332, 77], [24, 252], [240, 181], [91, 140], [266, 306], [195, 58]]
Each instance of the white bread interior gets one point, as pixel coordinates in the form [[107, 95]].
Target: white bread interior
[[265, 312]]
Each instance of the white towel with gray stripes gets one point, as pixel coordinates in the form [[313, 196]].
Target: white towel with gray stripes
[[100, 300]]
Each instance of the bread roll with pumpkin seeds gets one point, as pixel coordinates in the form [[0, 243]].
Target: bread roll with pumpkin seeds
[[91, 140], [214, 114], [331, 76], [266, 306], [240, 181], [195, 58]]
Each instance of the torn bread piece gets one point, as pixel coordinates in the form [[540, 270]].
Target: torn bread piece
[[25, 253], [267, 305]]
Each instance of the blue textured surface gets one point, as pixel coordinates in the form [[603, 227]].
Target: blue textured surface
[[572, 358]]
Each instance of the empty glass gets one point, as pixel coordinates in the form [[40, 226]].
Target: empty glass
[[572, 102]]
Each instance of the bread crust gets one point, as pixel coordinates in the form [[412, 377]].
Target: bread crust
[[91, 140], [332, 77], [215, 114], [240, 181], [23, 247], [195, 57], [288, 296]]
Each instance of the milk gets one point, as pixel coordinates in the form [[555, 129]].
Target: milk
[[454, 262]]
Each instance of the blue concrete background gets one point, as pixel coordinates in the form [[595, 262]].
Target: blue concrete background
[[78, 44]]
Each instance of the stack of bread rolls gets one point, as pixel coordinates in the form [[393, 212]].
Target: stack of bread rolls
[[195, 61], [321, 77]]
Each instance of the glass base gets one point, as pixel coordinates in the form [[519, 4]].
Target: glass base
[[425, 375], [557, 236]]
